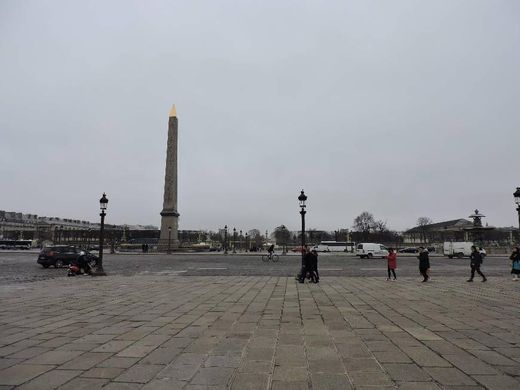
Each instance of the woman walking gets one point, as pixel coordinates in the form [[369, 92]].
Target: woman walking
[[392, 262], [515, 258], [424, 263], [475, 263]]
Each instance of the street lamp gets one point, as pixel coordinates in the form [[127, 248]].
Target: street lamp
[[240, 240], [103, 202], [516, 194], [169, 238], [234, 240], [247, 242], [303, 198], [225, 240]]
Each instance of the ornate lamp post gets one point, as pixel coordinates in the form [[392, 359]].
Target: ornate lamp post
[[247, 242], [240, 241], [225, 240], [169, 239], [516, 194], [234, 240], [303, 198], [103, 202]]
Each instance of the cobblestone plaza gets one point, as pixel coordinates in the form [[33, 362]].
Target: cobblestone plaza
[[163, 330]]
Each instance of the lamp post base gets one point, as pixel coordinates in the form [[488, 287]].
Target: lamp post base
[[98, 272]]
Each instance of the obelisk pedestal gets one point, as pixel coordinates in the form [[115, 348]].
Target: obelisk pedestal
[[169, 215]]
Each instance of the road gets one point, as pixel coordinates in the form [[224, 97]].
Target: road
[[21, 267]]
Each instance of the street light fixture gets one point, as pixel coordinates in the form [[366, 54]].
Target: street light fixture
[[169, 239], [234, 240], [247, 242], [225, 240], [240, 241], [103, 203], [303, 198]]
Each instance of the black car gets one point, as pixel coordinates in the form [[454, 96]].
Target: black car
[[410, 249], [60, 255]]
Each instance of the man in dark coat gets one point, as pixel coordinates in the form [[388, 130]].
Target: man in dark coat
[[475, 263], [313, 267], [305, 266], [424, 263]]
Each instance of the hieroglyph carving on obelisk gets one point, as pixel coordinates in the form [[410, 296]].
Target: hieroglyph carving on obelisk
[[169, 214]]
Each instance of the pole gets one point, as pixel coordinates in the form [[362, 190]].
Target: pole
[[518, 210], [99, 268], [225, 240], [234, 240], [302, 212]]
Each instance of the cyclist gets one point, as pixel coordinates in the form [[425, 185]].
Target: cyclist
[[270, 250]]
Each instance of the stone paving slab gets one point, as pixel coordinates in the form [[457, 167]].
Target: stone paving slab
[[259, 332]]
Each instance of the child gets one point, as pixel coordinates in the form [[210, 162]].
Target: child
[[392, 262]]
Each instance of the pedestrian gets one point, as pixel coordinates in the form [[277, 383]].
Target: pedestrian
[[305, 265], [475, 263], [313, 265], [424, 263], [392, 262], [515, 259]]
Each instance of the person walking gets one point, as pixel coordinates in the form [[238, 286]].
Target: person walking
[[392, 263], [424, 263], [305, 266], [313, 267], [515, 259], [475, 263]]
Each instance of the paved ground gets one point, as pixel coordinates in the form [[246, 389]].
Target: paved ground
[[22, 267], [163, 330]]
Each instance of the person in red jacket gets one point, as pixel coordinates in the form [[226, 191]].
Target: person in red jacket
[[392, 263]]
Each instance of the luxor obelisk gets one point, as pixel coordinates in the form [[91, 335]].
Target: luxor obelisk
[[169, 215]]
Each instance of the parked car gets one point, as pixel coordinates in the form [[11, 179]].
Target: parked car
[[60, 255], [369, 250], [298, 249], [410, 249]]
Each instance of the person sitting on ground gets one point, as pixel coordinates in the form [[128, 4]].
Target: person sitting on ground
[[83, 265]]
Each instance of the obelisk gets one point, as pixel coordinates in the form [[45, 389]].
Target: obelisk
[[169, 215]]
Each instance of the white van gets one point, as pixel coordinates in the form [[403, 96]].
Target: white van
[[457, 249], [369, 250]]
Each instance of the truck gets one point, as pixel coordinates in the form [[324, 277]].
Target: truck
[[457, 249]]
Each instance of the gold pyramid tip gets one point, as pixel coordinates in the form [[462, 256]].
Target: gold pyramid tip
[[173, 112]]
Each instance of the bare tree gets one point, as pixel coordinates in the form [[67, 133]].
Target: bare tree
[[423, 222], [380, 226], [364, 223], [282, 237]]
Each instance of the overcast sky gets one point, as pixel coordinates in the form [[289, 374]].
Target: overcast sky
[[401, 108]]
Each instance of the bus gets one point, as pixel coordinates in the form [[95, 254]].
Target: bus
[[334, 246], [15, 244]]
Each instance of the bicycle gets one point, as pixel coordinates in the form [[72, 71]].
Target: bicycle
[[271, 256]]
